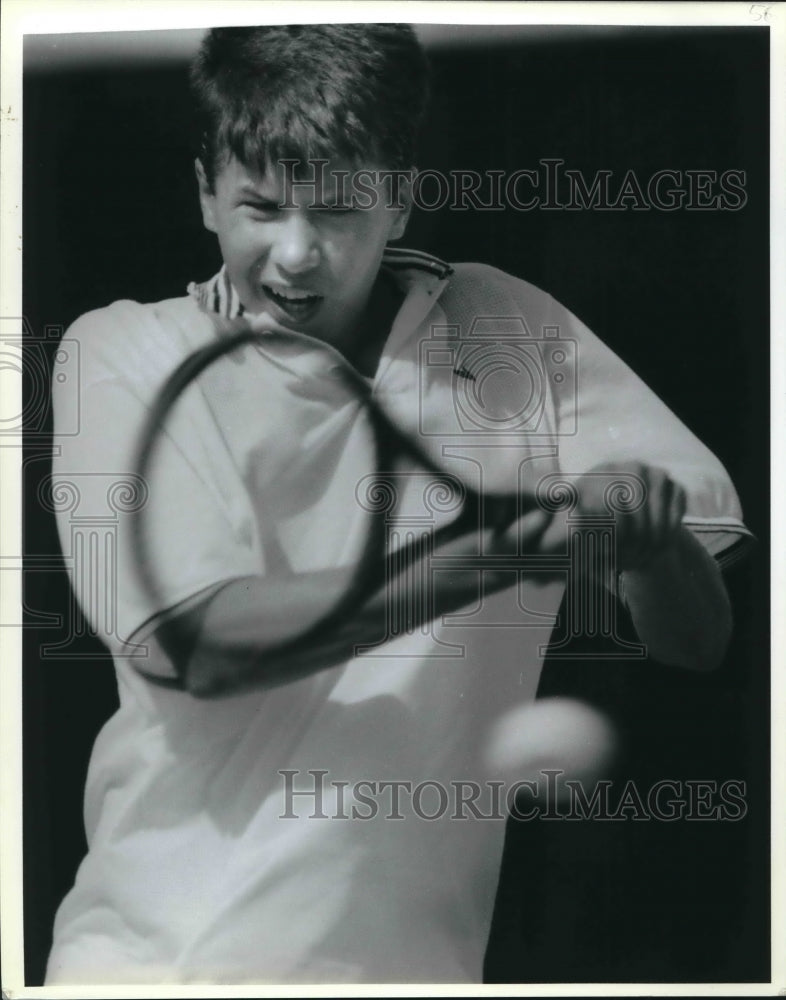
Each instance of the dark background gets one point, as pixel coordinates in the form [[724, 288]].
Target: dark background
[[111, 212]]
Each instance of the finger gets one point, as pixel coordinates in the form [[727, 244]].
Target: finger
[[591, 489], [650, 527], [553, 541], [672, 512], [631, 527], [465, 544], [678, 507], [533, 527], [662, 526], [524, 535]]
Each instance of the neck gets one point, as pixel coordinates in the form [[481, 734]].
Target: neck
[[369, 336]]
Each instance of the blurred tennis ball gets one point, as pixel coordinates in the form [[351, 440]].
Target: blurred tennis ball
[[554, 733]]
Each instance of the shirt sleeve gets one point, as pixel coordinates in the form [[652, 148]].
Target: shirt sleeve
[[606, 414], [593, 410], [192, 506]]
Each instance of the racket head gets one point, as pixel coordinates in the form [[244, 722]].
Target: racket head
[[312, 412]]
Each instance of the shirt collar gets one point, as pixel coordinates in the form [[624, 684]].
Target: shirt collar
[[217, 296], [415, 271]]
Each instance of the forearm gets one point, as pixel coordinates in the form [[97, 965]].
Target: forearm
[[230, 640], [235, 639], [679, 605], [263, 612]]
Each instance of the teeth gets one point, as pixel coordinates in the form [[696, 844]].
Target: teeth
[[292, 294]]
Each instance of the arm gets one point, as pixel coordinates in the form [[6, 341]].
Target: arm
[[679, 605], [228, 642], [672, 586]]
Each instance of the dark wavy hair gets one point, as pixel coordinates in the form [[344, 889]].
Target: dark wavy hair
[[355, 92]]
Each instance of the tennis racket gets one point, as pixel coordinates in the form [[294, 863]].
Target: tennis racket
[[558, 732], [389, 444]]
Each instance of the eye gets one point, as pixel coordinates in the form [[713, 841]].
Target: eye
[[335, 208], [261, 207]]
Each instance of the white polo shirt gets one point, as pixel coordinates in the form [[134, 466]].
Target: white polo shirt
[[204, 863]]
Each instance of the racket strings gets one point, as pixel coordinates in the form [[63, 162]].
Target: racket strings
[[401, 568]]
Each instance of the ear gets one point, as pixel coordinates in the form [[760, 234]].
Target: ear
[[207, 198], [404, 200]]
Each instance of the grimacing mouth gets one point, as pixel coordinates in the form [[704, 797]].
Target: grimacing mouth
[[289, 296]]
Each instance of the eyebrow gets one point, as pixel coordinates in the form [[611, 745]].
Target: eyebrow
[[249, 191], [328, 196]]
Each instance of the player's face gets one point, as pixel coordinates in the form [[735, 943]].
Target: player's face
[[303, 252]]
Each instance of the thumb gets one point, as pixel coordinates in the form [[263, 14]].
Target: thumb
[[554, 538], [524, 535]]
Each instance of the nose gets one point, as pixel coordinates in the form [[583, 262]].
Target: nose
[[296, 247]]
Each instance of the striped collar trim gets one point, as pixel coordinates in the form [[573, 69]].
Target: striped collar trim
[[219, 296], [398, 257]]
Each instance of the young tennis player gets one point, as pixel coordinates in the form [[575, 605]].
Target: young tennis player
[[337, 814]]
